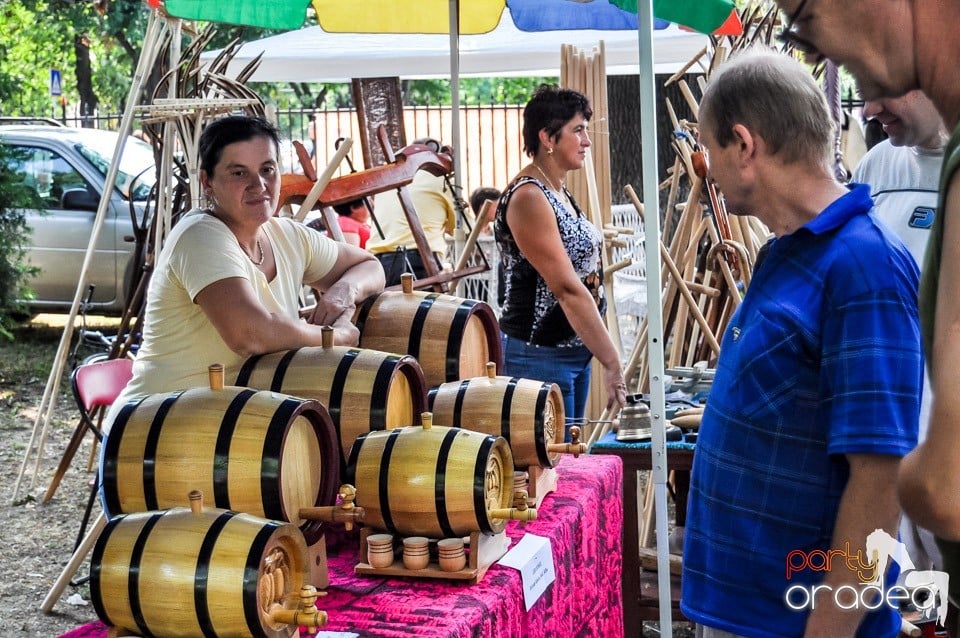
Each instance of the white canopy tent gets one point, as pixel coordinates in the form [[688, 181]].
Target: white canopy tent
[[313, 55]]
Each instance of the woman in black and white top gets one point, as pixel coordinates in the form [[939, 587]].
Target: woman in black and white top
[[552, 320]]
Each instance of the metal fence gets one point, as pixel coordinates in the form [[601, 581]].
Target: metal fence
[[490, 136]]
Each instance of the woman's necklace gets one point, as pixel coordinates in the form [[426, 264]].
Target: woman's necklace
[[559, 191], [256, 262]]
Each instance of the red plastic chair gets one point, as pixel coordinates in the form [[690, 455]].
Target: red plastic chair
[[96, 385]]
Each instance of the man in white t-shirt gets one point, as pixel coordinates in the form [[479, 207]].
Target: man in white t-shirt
[[903, 172]]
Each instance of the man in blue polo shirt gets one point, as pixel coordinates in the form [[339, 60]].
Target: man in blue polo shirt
[[817, 390]]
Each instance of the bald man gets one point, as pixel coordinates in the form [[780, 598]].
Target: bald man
[[892, 47]]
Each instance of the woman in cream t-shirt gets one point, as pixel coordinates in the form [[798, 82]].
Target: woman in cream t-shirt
[[227, 282]]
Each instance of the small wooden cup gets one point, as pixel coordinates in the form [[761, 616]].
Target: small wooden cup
[[416, 552], [452, 556], [380, 550]]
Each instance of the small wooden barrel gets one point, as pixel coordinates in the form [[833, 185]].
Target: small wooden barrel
[[364, 390], [527, 413], [451, 337], [436, 481], [208, 573], [262, 453]]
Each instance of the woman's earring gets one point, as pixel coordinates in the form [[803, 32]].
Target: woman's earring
[[208, 201], [549, 150]]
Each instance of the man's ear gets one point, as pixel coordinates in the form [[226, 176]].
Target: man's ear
[[746, 142]]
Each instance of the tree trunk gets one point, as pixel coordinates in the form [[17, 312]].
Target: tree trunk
[[88, 99]]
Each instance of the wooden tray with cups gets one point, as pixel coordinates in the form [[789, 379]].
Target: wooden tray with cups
[[466, 558]]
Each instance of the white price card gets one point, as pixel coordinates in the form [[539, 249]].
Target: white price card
[[533, 558]]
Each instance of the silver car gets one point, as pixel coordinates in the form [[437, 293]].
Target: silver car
[[67, 167]]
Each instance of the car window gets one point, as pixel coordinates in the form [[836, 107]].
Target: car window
[[46, 173], [136, 173]]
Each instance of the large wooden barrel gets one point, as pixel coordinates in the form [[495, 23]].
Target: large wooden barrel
[[527, 413], [364, 390], [262, 453], [185, 573], [435, 481], [452, 338]]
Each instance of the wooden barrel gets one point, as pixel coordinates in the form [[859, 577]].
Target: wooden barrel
[[184, 573], [435, 481], [527, 413], [452, 338], [262, 453], [364, 390]]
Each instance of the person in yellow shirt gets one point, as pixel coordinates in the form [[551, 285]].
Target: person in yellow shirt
[[433, 202]]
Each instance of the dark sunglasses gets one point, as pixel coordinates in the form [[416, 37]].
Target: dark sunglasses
[[790, 36]]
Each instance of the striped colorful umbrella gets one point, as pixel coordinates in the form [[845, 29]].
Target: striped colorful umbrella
[[430, 16]]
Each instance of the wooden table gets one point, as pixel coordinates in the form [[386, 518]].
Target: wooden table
[[640, 593], [580, 519]]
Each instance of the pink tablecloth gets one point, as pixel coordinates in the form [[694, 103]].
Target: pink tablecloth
[[583, 519]]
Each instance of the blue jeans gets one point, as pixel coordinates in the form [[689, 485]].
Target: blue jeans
[[569, 368]]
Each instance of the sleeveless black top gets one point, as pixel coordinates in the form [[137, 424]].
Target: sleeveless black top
[[530, 311]]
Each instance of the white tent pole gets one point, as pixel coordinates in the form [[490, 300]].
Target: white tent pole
[[48, 400], [458, 177], [651, 198], [455, 87]]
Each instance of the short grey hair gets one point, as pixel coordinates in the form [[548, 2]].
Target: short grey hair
[[774, 96]]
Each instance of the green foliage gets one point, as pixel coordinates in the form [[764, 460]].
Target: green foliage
[[474, 90], [39, 35], [14, 233]]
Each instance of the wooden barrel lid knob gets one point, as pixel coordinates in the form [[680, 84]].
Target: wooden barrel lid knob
[[215, 373], [406, 283], [196, 501]]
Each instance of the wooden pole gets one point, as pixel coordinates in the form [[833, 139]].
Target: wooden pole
[[323, 179]]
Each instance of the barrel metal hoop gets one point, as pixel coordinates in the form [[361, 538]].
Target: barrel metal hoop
[[133, 581], [277, 383], [480, 485], [247, 370], [336, 391], [271, 457], [200, 597], [379, 393], [458, 403], [384, 479], [96, 561], [111, 453], [150, 451], [350, 472], [539, 426], [416, 328], [251, 575], [221, 454], [440, 483], [364, 313], [458, 327], [506, 408]]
